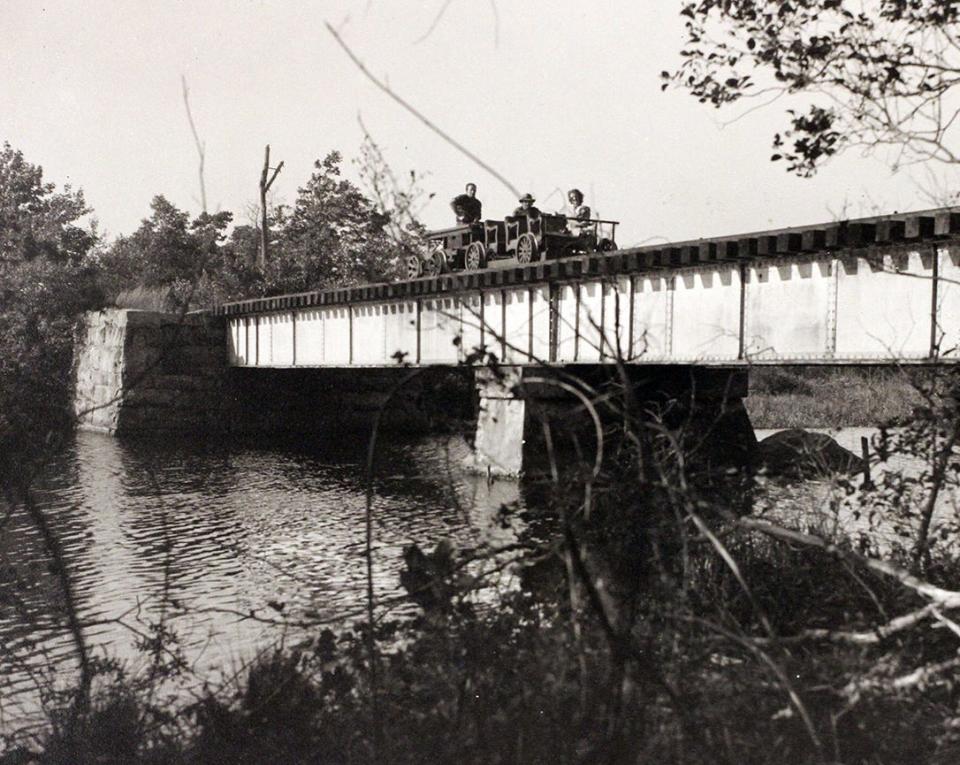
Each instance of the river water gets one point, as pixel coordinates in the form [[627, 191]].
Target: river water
[[213, 533]]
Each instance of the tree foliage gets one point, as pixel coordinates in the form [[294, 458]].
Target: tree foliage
[[334, 236], [43, 286], [879, 75], [36, 219], [168, 250]]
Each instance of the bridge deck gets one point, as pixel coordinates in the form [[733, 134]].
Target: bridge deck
[[873, 290]]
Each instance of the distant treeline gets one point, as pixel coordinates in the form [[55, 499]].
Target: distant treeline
[[54, 264]]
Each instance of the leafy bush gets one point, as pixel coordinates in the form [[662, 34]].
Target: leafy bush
[[40, 302]]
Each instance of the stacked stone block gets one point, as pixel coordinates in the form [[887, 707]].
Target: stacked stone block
[[143, 372]]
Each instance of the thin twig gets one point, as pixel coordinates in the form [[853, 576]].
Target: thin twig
[[445, 136]]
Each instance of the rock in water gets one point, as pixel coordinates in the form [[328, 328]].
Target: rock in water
[[800, 453]]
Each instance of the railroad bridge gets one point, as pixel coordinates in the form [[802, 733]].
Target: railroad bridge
[[878, 290], [872, 290]]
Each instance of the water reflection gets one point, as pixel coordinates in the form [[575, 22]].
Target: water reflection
[[212, 533]]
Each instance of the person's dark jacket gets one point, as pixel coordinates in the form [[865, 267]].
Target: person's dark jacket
[[466, 208]]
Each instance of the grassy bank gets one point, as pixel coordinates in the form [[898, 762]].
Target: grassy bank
[[829, 397]]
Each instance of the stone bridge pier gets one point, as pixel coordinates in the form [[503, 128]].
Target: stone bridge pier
[[702, 405]]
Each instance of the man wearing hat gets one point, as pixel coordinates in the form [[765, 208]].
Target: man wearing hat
[[526, 207]]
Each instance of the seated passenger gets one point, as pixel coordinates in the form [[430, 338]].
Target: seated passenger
[[474, 206], [526, 207], [579, 218], [461, 206]]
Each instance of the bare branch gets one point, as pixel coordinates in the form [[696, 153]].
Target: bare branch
[[201, 147], [265, 185], [429, 124], [433, 24]]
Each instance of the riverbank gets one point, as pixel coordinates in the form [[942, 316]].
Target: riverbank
[[831, 397]]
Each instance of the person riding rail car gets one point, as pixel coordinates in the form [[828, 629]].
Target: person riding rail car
[[526, 207], [466, 207], [579, 219]]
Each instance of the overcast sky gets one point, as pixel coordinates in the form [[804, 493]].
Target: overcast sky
[[553, 94]]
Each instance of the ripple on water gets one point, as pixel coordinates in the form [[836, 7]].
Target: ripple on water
[[218, 532]]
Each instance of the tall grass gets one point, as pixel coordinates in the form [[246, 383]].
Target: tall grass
[[145, 298], [830, 397]]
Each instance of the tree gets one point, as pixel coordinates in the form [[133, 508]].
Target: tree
[[334, 236], [167, 250], [882, 75], [36, 219], [44, 284]]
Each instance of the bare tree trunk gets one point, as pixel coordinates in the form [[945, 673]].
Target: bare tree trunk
[[265, 185]]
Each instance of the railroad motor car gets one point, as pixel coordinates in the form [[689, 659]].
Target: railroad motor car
[[527, 238]]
